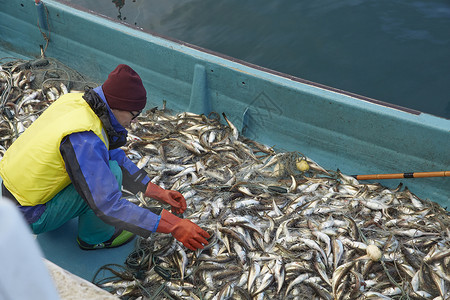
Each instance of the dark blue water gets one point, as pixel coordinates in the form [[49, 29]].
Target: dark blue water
[[397, 51]]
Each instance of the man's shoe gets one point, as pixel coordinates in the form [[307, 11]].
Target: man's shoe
[[119, 238]]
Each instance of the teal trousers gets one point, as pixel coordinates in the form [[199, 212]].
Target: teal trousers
[[68, 204]]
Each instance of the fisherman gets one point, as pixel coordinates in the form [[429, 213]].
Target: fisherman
[[69, 164]]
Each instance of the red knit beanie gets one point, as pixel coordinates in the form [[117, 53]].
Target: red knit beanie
[[124, 89]]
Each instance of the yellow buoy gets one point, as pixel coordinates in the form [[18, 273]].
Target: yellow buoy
[[302, 165]]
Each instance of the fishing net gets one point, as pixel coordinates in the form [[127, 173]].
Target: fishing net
[[303, 229], [28, 87], [41, 74], [262, 206]]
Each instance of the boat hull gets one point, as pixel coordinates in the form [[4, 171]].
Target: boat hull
[[338, 129]]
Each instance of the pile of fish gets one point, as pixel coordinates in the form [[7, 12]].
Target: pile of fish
[[281, 226], [27, 88], [277, 232]]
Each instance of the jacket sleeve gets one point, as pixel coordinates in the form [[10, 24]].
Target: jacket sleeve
[[87, 163], [134, 179]]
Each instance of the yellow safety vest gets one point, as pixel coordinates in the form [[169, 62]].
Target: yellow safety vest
[[33, 169]]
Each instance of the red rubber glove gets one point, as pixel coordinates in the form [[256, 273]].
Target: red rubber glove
[[173, 198], [188, 233]]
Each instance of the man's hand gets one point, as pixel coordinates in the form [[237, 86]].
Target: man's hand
[[188, 233], [173, 198]]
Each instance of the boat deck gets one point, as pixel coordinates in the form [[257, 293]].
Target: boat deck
[[60, 247]]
